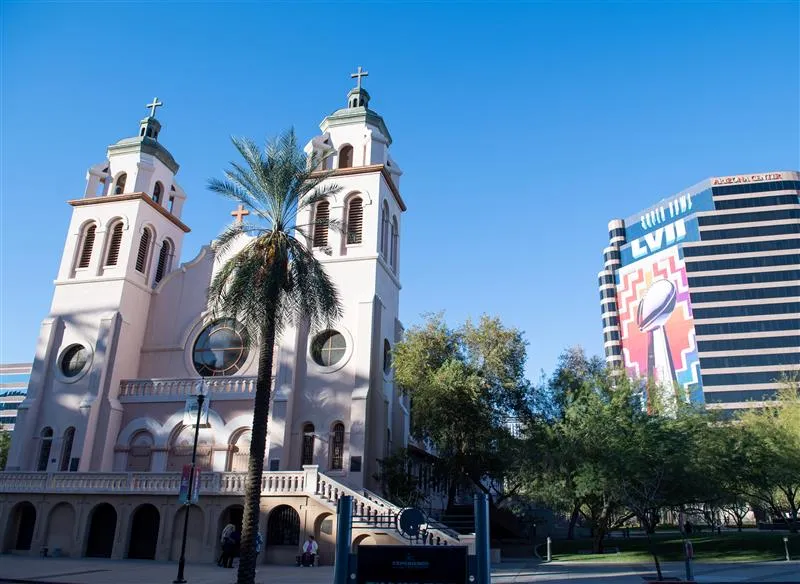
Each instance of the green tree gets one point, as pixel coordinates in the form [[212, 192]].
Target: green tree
[[5, 444], [464, 384], [271, 280], [555, 457], [612, 455], [399, 485], [770, 454]]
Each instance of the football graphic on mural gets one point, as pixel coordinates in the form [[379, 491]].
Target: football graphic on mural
[[656, 306]]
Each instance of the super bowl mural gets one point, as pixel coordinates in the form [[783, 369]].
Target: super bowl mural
[[657, 328]]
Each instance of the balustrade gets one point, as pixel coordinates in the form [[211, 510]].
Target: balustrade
[[211, 483], [131, 389]]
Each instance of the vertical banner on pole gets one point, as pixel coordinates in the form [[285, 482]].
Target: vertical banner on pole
[[196, 487], [344, 530], [482, 555], [183, 495]]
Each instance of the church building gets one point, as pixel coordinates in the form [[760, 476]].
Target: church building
[[107, 424]]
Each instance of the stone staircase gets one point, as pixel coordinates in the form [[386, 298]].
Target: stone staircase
[[371, 511]]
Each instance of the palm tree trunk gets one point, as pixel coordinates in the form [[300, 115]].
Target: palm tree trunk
[[255, 466]]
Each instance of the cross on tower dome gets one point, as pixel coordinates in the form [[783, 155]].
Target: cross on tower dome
[[150, 126], [359, 74], [358, 96], [157, 103]]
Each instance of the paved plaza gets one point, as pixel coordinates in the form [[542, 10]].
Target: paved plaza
[[24, 570]]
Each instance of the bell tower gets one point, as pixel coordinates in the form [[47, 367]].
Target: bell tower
[[124, 238], [362, 417]]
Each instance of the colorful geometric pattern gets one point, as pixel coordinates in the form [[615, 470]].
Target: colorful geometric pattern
[[633, 281]]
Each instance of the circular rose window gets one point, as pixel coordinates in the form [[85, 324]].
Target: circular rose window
[[221, 349], [328, 348], [73, 360]]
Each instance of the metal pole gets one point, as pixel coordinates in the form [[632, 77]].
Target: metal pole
[[482, 552], [182, 562], [344, 530], [549, 552], [689, 551]]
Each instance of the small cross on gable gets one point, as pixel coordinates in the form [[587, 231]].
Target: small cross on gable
[[240, 214]]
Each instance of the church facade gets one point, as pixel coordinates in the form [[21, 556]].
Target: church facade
[[107, 425]]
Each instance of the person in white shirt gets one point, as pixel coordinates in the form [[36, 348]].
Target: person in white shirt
[[309, 554]]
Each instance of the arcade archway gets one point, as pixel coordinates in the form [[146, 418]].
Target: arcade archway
[[60, 529], [20, 527], [232, 514], [102, 529], [144, 533], [194, 535]]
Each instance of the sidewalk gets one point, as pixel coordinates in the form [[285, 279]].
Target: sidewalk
[[609, 573], [26, 570], [102, 571]]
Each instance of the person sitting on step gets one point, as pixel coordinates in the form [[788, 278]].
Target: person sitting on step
[[309, 554]]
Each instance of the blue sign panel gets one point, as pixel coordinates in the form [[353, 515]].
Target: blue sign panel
[[679, 231], [667, 223], [667, 211], [405, 564]]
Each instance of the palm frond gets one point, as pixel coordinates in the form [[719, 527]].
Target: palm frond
[[275, 267]]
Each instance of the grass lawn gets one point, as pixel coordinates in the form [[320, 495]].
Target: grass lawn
[[747, 546]]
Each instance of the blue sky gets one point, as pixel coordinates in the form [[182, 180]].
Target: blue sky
[[522, 128]]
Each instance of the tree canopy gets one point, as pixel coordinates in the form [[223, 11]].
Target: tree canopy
[[465, 384]]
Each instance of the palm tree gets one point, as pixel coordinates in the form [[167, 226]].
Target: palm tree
[[271, 282]]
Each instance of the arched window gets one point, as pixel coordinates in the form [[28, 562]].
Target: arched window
[[158, 190], [144, 248], [66, 449], [307, 455], [44, 448], [321, 219], [355, 220], [346, 156], [283, 527], [180, 450], [385, 230], [119, 188], [112, 257], [239, 454], [88, 244], [337, 446], [387, 356], [395, 238], [163, 261], [140, 453]]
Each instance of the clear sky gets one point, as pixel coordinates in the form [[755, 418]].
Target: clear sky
[[521, 128]]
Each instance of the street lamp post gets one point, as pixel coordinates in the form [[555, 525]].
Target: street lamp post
[[182, 562]]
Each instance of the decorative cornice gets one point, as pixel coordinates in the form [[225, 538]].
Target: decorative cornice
[[354, 115], [145, 145], [370, 169], [131, 197]]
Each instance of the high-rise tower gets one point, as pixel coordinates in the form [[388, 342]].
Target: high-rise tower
[[700, 291]]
